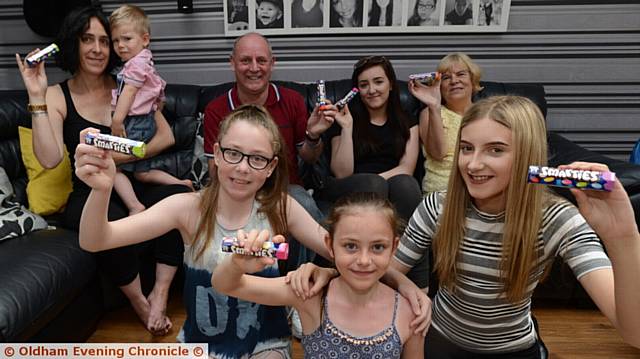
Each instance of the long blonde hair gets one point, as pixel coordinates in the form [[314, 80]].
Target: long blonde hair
[[524, 203], [271, 196]]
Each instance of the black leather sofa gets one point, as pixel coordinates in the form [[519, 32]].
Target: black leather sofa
[[51, 290]]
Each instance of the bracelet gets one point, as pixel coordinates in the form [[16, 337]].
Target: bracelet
[[42, 107], [311, 140], [39, 113]]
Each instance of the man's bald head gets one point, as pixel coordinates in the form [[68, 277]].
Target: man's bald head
[[252, 36]]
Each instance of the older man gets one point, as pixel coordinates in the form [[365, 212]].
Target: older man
[[252, 63]]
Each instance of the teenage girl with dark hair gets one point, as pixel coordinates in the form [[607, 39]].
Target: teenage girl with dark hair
[[374, 144]]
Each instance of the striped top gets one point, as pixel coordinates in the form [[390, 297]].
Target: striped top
[[477, 316]]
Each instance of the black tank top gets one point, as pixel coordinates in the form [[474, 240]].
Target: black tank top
[[72, 125]]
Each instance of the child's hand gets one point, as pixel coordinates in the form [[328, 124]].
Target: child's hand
[[253, 242], [309, 274], [94, 166], [117, 129], [421, 306]]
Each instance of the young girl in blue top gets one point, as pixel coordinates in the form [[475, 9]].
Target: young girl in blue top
[[358, 316]]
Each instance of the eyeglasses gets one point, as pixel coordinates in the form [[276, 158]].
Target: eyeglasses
[[370, 60], [426, 6], [256, 162]]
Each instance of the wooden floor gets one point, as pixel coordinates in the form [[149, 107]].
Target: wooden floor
[[574, 333]]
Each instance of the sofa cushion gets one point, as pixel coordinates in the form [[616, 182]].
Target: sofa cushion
[[15, 220], [199, 173], [180, 111], [40, 272], [42, 199]]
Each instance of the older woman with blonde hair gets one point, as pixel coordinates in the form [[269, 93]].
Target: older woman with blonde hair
[[445, 103]]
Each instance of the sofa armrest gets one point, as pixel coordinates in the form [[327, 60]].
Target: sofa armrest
[[563, 151]]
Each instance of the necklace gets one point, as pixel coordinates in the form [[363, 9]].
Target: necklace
[[331, 329], [376, 339]]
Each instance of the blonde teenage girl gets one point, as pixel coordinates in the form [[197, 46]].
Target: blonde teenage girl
[[493, 236]]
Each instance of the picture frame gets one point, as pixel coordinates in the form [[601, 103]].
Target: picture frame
[[287, 17]]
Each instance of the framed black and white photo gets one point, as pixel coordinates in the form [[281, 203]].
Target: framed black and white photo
[[269, 14], [384, 13], [287, 17], [346, 13], [490, 13], [307, 14], [237, 15], [458, 13], [423, 13]]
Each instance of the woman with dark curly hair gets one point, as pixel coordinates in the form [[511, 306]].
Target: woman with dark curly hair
[[58, 114]]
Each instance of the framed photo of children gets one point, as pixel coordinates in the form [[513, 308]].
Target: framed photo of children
[[272, 17]]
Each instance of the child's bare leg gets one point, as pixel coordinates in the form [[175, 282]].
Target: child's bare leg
[[140, 304], [158, 320], [161, 177], [124, 189]]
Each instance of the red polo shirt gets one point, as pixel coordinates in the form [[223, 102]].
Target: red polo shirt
[[285, 106]]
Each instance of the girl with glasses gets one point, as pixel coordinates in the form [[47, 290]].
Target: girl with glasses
[[248, 192], [374, 144]]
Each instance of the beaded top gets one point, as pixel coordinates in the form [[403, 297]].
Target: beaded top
[[328, 341]]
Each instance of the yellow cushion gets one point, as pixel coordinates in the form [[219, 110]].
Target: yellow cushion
[[48, 189]]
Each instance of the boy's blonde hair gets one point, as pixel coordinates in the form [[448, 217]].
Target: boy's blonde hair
[[524, 203], [130, 14]]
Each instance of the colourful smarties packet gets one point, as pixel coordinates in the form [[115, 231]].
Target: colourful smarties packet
[[571, 178]]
